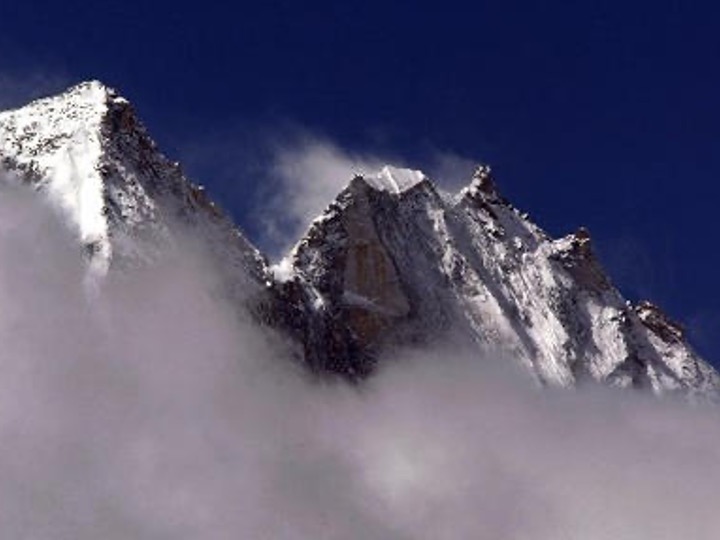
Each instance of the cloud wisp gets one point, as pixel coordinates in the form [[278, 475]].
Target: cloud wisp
[[308, 172], [19, 87], [306, 175], [152, 410], [278, 175]]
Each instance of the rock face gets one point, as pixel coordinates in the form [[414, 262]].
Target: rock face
[[391, 262], [409, 266]]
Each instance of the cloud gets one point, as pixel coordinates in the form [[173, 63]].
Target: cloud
[[459, 451], [307, 172], [19, 87], [277, 176], [155, 410], [450, 170], [306, 175]]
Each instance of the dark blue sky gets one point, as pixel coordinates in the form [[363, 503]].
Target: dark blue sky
[[601, 113]]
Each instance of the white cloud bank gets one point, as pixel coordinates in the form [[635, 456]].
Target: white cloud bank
[[152, 411]]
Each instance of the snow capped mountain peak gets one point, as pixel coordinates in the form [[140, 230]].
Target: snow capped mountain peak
[[56, 143], [86, 151], [394, 180], [395, 270], [79, 109], [92, 91]]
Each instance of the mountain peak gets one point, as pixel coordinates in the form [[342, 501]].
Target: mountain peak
[[482, 184], [56, 144], [77, 102], [394, 180], [89, 155], [47, 125], [92, 89]]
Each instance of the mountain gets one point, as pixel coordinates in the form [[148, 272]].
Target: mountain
[[393, 261], [88, 154], [400, 262]]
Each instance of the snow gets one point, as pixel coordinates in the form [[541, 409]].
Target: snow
[[59, 138], [92, 160], [475, 264], [395, 180], [283, 271]]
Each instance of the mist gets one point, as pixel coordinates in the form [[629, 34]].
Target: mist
[[19, 86], [153, 409], [307, 173], [304, 172]]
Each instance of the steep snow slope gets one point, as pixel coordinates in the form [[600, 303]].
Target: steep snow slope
[[86, 151], [398, 263]]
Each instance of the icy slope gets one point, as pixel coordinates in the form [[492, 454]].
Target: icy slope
[[395, 263], [86, 151]]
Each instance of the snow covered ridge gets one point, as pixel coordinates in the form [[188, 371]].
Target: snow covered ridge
[[86, 151], [391, 262]]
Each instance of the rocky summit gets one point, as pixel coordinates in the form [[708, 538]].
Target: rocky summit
[[392, 262]]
